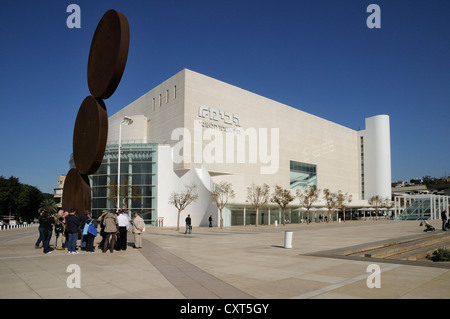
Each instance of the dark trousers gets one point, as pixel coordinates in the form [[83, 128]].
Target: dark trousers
[[122, 244], [41, 236], [109, 237], [89, 242], [46, 240]]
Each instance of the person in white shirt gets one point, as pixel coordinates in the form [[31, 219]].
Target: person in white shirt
[[124, 224]]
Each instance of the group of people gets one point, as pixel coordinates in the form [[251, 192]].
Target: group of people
[[68, 228]]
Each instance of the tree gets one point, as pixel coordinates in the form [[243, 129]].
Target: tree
[[49, 205], [28, 202], [128, 193], [182, 199], [258, 196], [220, 194], [343, 201], [377, 202], [330, 200], [308, 197], [282, 197], [388, 203], [9, 193], [19, 200]]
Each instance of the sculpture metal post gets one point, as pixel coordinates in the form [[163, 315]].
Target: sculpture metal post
[[107, 59]]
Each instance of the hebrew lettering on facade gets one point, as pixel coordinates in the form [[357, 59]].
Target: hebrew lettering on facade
[[236, 120], [213, 114], [203, 111], [227, 118]]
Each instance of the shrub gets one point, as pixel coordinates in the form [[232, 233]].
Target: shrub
[[441, 254]]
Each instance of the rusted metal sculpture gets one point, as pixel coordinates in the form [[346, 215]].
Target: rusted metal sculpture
[[90, 135], [107, 59], [108, 54]]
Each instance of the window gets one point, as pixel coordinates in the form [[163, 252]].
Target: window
[[138, 180], [302, 175]]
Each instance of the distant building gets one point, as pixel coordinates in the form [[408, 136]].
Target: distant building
[[420, 201], [58, 191]]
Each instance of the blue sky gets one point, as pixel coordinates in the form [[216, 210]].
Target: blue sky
[[318, 56]]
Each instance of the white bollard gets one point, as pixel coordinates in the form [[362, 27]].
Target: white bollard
[[276, 223], [288, 239]]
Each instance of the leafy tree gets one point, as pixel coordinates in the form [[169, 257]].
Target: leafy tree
[[343, 201], [282, 197], [377, 202], [182, 199], [330, 200], [308, 197], [9, 192], [258, 196], [28, 202], [222, 191], [19, 199], [128, 193]]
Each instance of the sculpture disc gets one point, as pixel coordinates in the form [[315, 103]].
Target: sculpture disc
[[108, 54], [90, 135], [76, 192]]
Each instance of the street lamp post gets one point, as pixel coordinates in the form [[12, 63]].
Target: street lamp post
[[128, 121]]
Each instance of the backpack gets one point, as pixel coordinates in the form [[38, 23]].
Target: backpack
[[92, 229]]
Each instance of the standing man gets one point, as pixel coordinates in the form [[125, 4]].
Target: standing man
[[73, 225], [124, 224], [444, 219], [60, 228], [188, 224], [102, 227], [111, 229], [47, 225], [138, 228], [40, 229]]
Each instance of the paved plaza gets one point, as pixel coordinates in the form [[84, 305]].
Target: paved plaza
[[242, 262]]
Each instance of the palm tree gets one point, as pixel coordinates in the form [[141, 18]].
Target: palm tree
[[49, 205]]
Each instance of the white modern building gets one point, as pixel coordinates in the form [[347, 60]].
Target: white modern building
[[196, 129]]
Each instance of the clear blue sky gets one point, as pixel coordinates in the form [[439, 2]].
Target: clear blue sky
[[318, 56]]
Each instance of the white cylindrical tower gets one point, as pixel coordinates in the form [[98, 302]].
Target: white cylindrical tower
[[377, 157]]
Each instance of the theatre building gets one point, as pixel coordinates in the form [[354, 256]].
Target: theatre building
[[193, 129]]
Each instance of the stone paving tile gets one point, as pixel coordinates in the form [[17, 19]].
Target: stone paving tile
[[236, 262]]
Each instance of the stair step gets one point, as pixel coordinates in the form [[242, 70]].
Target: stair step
[[422, 252], [393, 250]]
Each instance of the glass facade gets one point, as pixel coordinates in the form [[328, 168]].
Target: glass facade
[[418, 207], [138, 181], [302, 175]]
